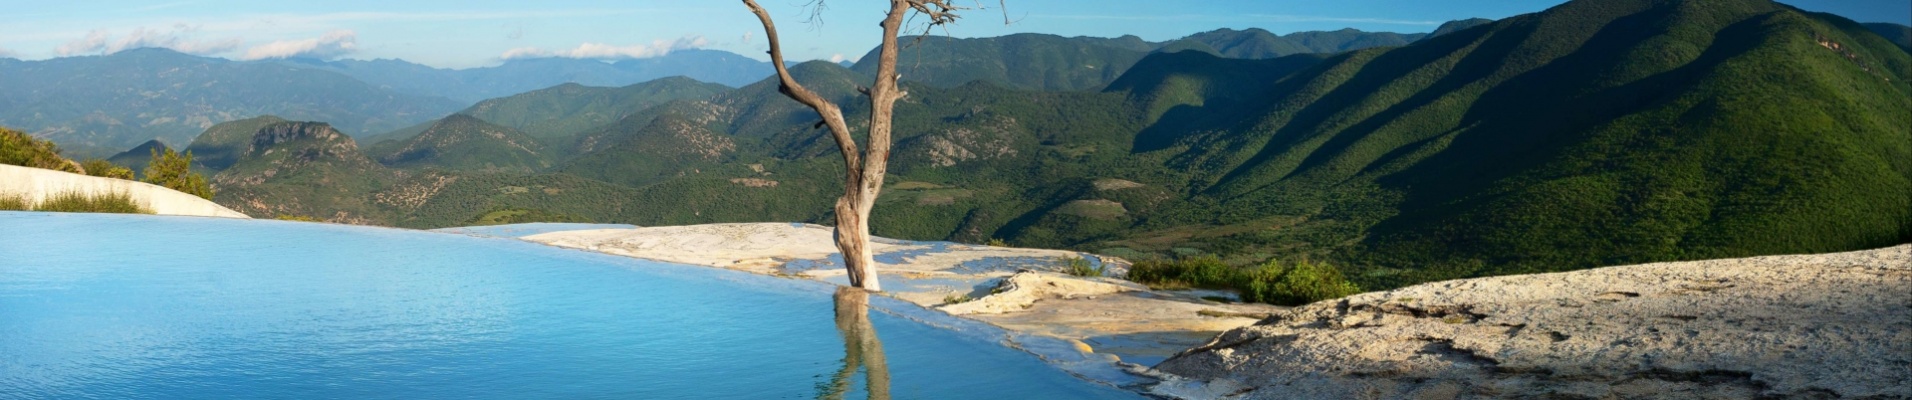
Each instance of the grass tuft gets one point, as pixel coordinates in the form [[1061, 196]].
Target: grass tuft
[[13, 203], [121, 203], [1079, 266]]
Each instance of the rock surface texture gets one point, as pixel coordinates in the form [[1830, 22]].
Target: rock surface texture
[[1806, 326], [1022, 290], [36, 185]]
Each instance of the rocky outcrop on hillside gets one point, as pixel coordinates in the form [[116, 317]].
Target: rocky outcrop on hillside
[[304, 169], [1806, 326]]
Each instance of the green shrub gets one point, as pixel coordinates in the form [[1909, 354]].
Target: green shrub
[[106, 169], [995, 242], [293, 217], [1079, 266], [18, 148], [174, 171], [1302, 282], [1182, 273], [80, 202], [957, 298]]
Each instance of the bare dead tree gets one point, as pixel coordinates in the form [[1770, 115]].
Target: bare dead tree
[[863, 180]]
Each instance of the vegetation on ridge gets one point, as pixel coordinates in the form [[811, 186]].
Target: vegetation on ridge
[[18, 148], [1599, 132]]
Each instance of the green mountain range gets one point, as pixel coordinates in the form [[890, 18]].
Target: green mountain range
[[466, 143], [99, 105], [1597, 132], [1050, 62], [565, 111]]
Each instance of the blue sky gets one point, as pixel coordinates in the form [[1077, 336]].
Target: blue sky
[[472, 33]]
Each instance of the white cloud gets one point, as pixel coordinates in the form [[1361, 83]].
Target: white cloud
[[599, 51], [4, 53], [142, 37], [94, 42], [836, 58], [99, 41], [331, 45]]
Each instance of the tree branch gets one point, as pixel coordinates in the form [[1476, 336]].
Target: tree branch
[[831, 114]]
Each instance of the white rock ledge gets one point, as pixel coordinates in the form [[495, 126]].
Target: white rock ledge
[[36, 185], [1802, 326]]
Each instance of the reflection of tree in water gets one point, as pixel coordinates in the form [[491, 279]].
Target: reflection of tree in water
[[861, 348]]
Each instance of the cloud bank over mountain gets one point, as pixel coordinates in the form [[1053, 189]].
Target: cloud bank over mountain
[[180, 38], [331, 45], [600, 51]]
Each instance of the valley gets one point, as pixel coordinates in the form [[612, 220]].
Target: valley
[[1573, 199], [1544, 142]]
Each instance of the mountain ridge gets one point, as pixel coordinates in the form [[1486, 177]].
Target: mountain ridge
[[1594, 132]]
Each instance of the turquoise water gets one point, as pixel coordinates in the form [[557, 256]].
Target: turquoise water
[[119, 306]]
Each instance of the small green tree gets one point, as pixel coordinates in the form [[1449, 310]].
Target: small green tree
[[106, 169], [174, 171]]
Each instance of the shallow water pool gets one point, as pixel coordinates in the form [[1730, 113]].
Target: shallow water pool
[[123, 306]]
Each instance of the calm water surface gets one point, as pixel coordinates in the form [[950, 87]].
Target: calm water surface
[[118, 306]]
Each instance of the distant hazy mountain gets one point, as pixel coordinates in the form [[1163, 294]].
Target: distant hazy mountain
[[715, 66], [1050, 62], [1258, 43], [530, 131], [1458, 25], [137, 158], [1898, 34], [518, 76], [105, 104], [563, 111], [1029, 60]]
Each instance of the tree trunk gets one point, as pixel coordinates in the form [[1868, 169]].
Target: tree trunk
[[853, 240], [863, 170]]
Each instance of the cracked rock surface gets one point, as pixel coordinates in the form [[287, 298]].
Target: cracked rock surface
[[1805, 326]]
